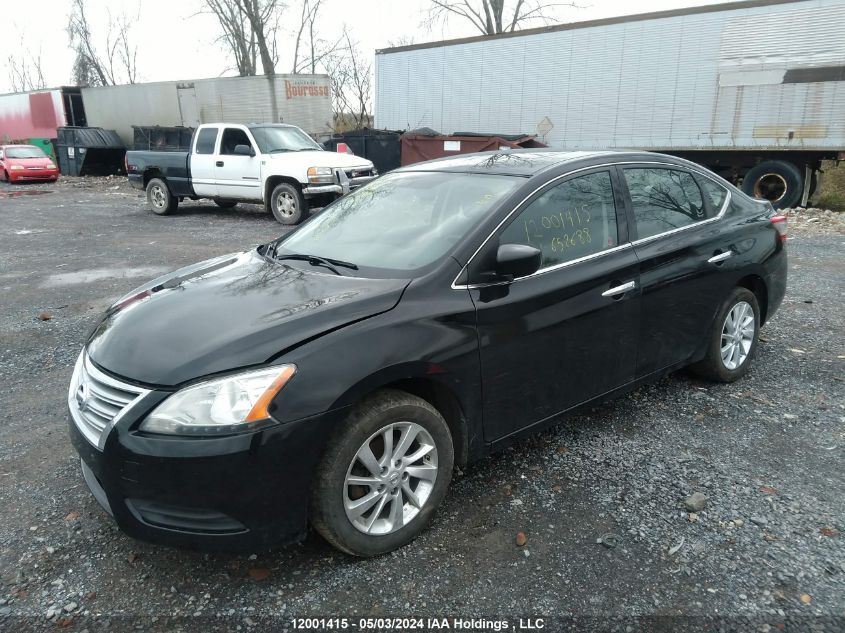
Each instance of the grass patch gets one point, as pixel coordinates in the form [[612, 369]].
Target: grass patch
[[832, 192]]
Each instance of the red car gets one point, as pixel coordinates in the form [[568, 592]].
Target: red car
[[26, 162]]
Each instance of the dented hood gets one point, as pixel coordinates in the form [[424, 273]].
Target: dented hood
[[228, 313]]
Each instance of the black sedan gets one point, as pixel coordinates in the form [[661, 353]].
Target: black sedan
[[336, 375]]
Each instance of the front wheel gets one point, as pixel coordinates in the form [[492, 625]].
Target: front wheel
[[733, 339], [383, 474], [161, 201], [288, 204]]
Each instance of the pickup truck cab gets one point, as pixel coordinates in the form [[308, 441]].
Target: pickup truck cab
[[278, 165]]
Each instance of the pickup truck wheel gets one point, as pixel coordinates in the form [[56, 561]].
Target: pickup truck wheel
[[225, 204], [162, 202], [288, 204]]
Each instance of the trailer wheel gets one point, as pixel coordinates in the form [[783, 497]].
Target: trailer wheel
[[777, 181], [162, 202]]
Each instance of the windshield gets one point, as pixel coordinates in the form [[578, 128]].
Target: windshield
[[402, 221], [30, 151], [282, 139]]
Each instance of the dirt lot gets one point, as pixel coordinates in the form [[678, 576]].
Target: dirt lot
[[610, 545]]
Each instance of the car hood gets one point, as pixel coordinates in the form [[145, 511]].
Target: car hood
[[227, 313], [318, 158]]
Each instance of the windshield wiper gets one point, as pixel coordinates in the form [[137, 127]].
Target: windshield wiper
[[316, 260], [280, 149]]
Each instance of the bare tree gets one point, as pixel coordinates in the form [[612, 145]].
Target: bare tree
[[311, 51], [25, 70], [249, 30], [351, 74], [118, 62], [496, 16], [237, 34]]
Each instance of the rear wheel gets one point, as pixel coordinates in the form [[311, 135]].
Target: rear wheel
[[162, 202], [288, 204], [733, 339], [383, 474], [777, 181]]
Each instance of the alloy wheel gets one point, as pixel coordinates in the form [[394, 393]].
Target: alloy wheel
[[286, 204], [390, 478], [737, 335], [158, 196]]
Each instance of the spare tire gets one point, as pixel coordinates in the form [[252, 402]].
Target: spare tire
[[777, 181]]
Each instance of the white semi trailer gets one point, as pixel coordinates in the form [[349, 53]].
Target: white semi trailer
[[754, 90]]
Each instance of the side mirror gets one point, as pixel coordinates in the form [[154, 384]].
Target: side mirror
[[517, 260], [244, 150]]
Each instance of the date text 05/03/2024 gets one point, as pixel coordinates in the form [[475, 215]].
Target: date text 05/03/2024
[[417, 624]]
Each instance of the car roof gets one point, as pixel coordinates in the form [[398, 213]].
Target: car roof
[[530, 162]]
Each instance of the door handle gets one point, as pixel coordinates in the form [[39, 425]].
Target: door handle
[[619, 290], [720, 257], [219, 163]]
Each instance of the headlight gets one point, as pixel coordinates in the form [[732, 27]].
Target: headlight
[[51, 166], [220, 406], [320, 175], [16, 167]]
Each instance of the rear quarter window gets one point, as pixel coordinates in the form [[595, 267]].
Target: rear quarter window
[[206, 140], [714, 193]]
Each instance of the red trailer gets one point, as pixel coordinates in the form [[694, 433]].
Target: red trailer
[[31, 115]]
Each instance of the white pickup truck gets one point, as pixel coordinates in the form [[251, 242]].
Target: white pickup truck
[[278, 165]]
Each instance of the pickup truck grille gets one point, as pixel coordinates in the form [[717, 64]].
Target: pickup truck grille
[[358, 172], [96, 400]]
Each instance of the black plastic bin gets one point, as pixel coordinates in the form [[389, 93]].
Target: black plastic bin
[[382, 147], [89, 151], [161, 138]]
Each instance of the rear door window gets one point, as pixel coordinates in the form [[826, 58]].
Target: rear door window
[[206, 140], [573, 219], [663, 200]]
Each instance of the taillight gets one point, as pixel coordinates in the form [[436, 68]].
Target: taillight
[[126, 163], [780, 223]]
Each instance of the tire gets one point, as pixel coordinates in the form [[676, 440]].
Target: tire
[[396, 412], [713, 366], [161, 201], [5, 176], [287, 204], [226, 204], [778, 181]]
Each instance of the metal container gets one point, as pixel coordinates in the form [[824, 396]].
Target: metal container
[[89, 151], [162, 139], [304, 100], [382, 147], [419, 147], [752, 74]]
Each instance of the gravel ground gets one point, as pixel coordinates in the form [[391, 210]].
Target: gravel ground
[[609, 542]]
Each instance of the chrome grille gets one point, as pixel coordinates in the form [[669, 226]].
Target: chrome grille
[[97, 400]]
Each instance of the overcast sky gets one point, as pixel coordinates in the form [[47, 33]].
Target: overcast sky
[[176, 41]]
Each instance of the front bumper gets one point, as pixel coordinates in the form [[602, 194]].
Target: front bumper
[[18, 175], [248, 491], [343, 184]]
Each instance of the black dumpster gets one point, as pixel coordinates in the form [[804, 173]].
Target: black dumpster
[[162, 139], [382, 147], [89, 151]]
